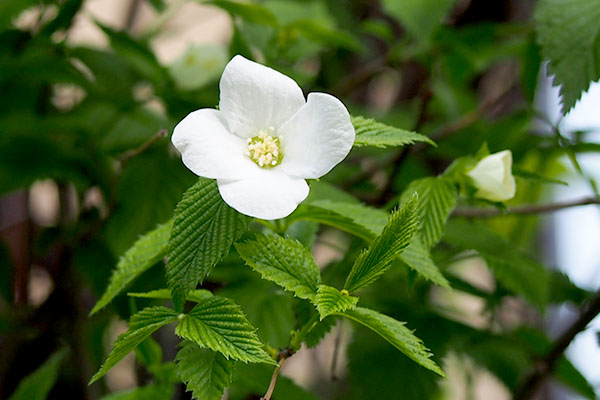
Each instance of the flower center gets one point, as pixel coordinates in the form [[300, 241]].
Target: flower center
[[265, 150]]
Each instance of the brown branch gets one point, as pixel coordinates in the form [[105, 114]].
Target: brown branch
[[283, 356], [523, 210], [546, 364], [129, 154]]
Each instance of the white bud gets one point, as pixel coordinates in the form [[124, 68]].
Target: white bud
[[492, 176]]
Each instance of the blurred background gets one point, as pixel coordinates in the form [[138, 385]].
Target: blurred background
[[92, 89]]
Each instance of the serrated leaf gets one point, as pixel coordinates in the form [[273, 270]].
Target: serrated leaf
[[395, 237], [205, 373], [195, 295], [204, 228], [332, 218], [37, 385], [284, 261], [329, 300], [141, 325], [218, 323], [513, 269], [437, 198], [372, 133], [418, 258], [144, 253], [569, 34], [397, 334]]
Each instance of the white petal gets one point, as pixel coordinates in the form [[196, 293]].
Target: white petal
[[208, 149], [316, 138], [493, 177], [255, 97], [272, 196]]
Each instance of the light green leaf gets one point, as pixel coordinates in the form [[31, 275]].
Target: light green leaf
[[203, 230], [248, 11], [284, 261], [372, 133], [144, 253], [569, 34], [437, 198], [417, 257], [420, 17], [195, 295], [141, 325], [219, 324], [395, 237], [329, 300], [205, 373], [37, 385], [397, 334]]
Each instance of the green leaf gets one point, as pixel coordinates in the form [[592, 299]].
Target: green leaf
[[250, 12], [534, 177], [203, 230], [150, 392], [420, 17], [141, 325], [195, 295], [37, 385], [372, 133], [318, 332], [418, 258], [397, 334], [205, 373], [219, 324], [145, 252], [395, 237], [284, 261], [327, 216], [513, 269], [329, 300], [569, 34], [437, 198], [371, 218]]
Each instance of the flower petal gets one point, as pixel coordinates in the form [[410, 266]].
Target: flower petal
[[316, 138], [208, 149], [272, 196], [255, 97]]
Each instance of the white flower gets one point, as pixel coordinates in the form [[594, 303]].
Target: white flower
[[493, 177], [264, 140]]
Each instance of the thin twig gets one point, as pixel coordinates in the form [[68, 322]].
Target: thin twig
[[524, 210], [336, 350], [129, 154], [546, 364], [269, 393]]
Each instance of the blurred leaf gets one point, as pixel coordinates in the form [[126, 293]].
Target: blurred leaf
[[397, 334], [145, 252], [218, 323], [396, 236], [437, 198], [141, 325], [329, 300], [562, 289], [37, 385], [204, 229], [513, 269], [568, 32], [205, 373], [420, 17], [151, 392], [65, 17], [321, 34], [198, 65], [318, 332], [372, 133], [536, 178], [149, 352], [250, 12], [283, 261], [10, 9]]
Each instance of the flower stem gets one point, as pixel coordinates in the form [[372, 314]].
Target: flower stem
[[523, 210]]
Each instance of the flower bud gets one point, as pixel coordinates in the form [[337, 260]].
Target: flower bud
[[492, 177]]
